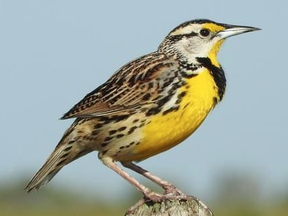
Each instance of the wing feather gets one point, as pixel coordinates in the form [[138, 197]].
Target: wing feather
[[133, 86]]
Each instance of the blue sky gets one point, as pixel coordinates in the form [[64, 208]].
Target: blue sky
[[54, 52]]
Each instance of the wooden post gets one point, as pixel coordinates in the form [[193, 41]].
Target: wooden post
[[188, 207]]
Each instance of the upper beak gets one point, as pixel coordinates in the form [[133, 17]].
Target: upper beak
[[235, 30]]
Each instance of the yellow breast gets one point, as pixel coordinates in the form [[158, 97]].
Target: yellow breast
[[165, 131]]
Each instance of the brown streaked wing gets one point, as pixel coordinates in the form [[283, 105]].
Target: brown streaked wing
[[136, 84]]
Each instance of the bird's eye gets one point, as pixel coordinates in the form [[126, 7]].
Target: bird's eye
[[204, 32]]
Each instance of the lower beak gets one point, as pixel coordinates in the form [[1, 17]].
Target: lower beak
[[235, 30]]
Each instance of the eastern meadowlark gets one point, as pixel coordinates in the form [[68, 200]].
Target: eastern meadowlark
[[148, 106]]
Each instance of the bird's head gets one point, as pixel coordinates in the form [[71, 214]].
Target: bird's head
[[200, 38]]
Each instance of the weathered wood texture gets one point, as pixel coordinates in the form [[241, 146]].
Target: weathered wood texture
[[191, 207]]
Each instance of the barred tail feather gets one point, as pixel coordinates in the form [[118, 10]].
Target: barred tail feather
[[67, 150], [51, 167]]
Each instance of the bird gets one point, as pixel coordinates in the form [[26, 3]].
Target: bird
[[148, 106]]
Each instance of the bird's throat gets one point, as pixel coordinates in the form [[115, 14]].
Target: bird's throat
[[212, 55], [217, 74]]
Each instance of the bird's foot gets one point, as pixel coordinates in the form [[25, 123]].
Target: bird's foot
[[172, 190], [169, 195], [132, 209]]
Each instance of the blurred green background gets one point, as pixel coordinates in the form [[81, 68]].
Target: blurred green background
[[53, 52], [233, 195]]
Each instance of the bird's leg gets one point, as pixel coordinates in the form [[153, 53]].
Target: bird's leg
[[148, 194], [168, 187]]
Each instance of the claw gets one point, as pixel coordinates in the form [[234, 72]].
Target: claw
[[171, 189], [137, 205], [157, 198]]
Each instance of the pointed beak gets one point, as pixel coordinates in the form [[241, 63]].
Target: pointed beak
[[232, 30]]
